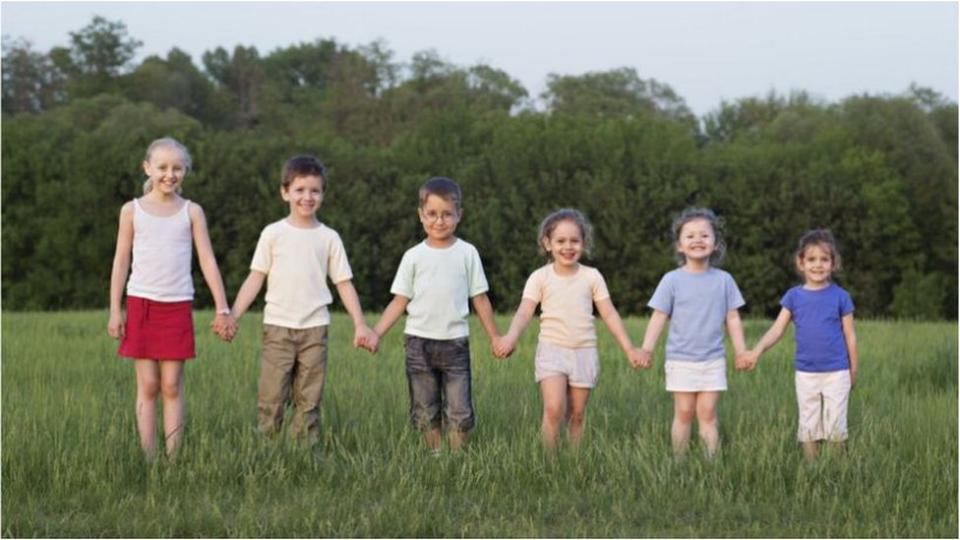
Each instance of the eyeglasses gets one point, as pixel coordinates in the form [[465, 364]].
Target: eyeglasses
[[439, 216]]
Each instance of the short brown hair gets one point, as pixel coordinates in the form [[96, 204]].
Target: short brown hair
[[304, 165], [822, 238], [442, 187]]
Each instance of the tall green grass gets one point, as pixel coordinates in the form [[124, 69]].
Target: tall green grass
[[71, 464]]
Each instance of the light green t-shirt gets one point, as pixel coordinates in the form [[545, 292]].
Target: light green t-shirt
[[439, 283]]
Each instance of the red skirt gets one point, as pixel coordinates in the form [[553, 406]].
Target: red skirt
[[158, 330]]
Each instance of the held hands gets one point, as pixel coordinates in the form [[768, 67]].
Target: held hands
[[639, 358], [224, 326], [747, 360], [502, 346], [365, 338]]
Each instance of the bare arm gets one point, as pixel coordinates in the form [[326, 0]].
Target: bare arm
[[391, 314], [206, 258], [614, 323], [248, 293], [773, 335], [748, 359], [363, 336], [224, 325], [521, 319], [850, 337], [654, 328], [121, 268], [735, 330], [481, 304]]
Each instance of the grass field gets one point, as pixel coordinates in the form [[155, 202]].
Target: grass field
[[72, 465]]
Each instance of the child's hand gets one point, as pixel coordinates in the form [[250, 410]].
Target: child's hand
[[225, 326], [637, 359], [853, 376], [747, 360], [115, 325], [643, 358], [502, 347], [364, 337]]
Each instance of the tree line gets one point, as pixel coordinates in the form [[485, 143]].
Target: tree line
[[880, 171]]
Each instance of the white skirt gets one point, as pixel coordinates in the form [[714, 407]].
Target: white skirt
[[684, 376]]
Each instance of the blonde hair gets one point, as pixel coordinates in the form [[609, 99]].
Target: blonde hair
[[169, 142]]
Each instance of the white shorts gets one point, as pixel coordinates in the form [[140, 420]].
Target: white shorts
[[708, 376], [581, 367], [822, 403]]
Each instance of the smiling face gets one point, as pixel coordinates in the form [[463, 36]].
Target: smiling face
[[565, 244], [166, 169], [697, 241], [816, 266], [304, 195], [439, 217]]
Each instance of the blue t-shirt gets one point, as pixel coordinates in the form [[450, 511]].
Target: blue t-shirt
[[819, 329], [697, 303]]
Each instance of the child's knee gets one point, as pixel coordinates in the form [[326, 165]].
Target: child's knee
[[170, 389], [148, 387], [554, 412]]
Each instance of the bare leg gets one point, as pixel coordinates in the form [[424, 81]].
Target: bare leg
[[174, 403], [148, 386], [458, 439], [811, 449], [576, 409], [553, 390], [684, 409], [432, 438], [707, 421]]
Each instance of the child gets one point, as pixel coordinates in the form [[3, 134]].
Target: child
[[159, 231], [698, 299], [566, 365], [826, 356], [295, 256], [433, 283]]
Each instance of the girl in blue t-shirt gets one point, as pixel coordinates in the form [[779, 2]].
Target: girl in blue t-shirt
[[826, 358], [699, 301]]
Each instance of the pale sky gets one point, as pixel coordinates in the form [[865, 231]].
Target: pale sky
[[706, 51]]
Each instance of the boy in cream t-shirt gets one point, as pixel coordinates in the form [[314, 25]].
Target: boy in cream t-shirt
[[295, 256]]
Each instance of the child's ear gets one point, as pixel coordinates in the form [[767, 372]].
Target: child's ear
[[146, 168], [283, 193]]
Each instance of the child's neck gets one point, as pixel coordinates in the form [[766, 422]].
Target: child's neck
[[697, 266], [565, 270], [301, 222], [158, 197], [441, 244], [810, 286]]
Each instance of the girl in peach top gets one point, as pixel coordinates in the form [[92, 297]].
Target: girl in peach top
[[567, 364]]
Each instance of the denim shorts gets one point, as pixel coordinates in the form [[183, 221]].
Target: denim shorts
[[438, 375]]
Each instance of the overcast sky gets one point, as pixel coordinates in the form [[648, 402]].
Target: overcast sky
[[706, 51]]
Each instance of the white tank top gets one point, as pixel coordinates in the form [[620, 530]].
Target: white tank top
[[162, 252]]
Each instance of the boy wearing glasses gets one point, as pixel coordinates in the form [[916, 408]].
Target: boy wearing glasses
[[433, 284]]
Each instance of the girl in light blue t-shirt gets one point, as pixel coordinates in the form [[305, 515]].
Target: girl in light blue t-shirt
[[698, 300], [826, 357]]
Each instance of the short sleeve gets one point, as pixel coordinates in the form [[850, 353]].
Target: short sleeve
[[846, 303], [478, 281], [599, 287], [663, 296], [263, 254], [789, 300], [533, 290], [734, 298], [338, 267], [403, 282]]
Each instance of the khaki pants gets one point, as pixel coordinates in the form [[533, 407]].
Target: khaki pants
[[293, 366]]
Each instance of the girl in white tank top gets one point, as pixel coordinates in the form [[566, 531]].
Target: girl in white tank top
[[156, 234]]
